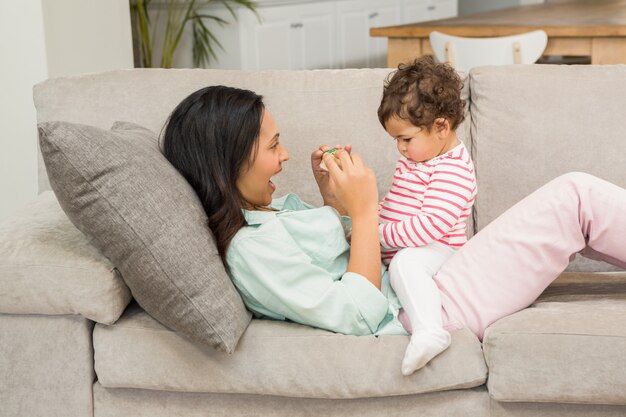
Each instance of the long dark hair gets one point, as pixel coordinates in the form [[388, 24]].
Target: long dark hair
[[209, 139]]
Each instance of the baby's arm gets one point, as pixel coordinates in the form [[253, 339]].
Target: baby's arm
[[445, 199]]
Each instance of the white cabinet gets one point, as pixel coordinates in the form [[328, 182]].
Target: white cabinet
[[416, 11], [288, 37], [425, 10], [309, 34], [355, 48], [443, 9]]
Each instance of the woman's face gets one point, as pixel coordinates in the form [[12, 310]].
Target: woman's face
[[254, 183]]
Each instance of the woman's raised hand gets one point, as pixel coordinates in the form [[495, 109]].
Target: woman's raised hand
[[353, 185], [322, 176]]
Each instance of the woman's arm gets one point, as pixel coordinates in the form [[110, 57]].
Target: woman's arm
[[277, 279], [354, 186]]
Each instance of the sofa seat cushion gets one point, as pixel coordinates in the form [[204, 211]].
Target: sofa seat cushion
[[47, 266], [565, 352], [276, 358], [46, 366], [111, 402]]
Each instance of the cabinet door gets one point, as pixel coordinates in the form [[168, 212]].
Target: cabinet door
[[356, 48], [266, 44], [415, 11], [443, 9], [425, 10], [288, 37], [352, 25], [387, 13], [316, 27]]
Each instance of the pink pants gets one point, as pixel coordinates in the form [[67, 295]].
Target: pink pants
[[508, 264]]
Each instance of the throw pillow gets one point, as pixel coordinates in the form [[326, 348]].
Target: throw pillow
[[120, 191]]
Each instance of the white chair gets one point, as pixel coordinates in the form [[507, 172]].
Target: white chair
[[466, 53]]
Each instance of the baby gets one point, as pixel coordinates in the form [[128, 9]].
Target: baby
[[422, 217]]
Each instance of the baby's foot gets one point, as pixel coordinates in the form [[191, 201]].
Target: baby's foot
[[424, 346]]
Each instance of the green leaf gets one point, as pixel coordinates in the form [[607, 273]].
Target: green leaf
[[208, 16], [179, 14]]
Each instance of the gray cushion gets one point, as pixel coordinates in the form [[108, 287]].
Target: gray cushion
[[119, 190], [531, 123], [47, 266], [277, 358], [562, 352]]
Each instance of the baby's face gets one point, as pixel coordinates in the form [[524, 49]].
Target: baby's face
[[415, 143]]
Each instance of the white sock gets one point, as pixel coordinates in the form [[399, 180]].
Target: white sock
[[411, 272], [424, 345]]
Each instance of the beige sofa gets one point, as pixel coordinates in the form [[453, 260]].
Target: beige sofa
[[72, 345]]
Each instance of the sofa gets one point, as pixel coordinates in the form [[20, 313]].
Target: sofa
[[75, 343]]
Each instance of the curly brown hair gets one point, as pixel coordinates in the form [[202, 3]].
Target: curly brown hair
[[421, 92]]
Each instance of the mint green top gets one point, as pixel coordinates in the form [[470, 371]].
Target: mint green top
[[291, 264]]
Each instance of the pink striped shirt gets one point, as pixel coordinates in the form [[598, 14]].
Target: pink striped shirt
[[427, 202]]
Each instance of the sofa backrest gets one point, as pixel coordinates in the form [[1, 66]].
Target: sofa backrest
[[310, 108], [531, 123]]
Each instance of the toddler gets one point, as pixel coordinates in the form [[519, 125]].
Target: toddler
[[422, 217]]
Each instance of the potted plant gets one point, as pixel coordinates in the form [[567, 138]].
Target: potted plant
[[146, 17]]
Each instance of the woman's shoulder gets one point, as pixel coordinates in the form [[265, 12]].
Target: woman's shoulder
[[264, 225], [290, 201], [291, 221]]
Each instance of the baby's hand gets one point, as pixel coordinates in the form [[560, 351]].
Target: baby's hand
[[330, 152], [319, 168], [321, 176]]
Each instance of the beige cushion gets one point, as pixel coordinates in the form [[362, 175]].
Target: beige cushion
[[46, 366], [502, 409], [564, 352], [118, 189], [47, 266], [111, 402], [531, 123], [310, 108], [277, 358]]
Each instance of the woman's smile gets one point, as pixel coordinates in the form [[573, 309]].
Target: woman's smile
[[266, 163]]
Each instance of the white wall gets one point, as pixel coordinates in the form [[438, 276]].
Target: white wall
[[40, 39], [87, 36], [23, 63]]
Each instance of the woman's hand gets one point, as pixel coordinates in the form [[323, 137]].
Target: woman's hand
[[322, 177], [353, 185]]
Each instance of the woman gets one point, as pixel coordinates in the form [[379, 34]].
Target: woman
[[292, 261]]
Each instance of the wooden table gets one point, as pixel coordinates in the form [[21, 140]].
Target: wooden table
[[595, 28]]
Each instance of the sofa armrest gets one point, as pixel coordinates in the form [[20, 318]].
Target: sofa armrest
[[47, 266]]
